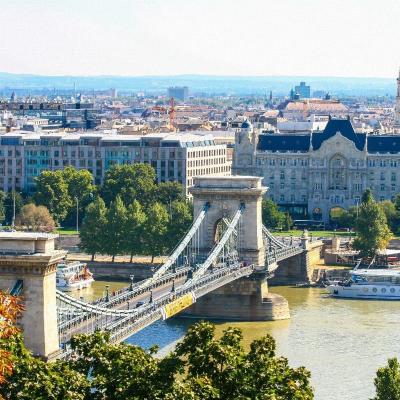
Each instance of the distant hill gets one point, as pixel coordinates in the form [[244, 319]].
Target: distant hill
[[206, 84]]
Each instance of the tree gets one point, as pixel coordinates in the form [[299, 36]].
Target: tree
[[35, 218], [9, 205], [348, 218], [271, 216], [179, 222], [114, 239], [373, 233], [52, 192], [80, 187], [134, 229], [93, 229], [389, 210], [222, 367], [130, 182], [155, 229], [168, 192], [387, 381]]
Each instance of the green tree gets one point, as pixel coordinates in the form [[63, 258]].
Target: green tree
[[52, 192], [179, 222], [155, 230], [348, 218], [271, 216], [80, 187], [114, 239], [387, 381], [168, 192], [389, 209], [134, 229], [93, 229], [9, 206], [130, 182], [228, 372], [373, 233]]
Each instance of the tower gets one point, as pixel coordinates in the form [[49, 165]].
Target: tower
[[397, 107]]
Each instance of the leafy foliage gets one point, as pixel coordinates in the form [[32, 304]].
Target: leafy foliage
[[373, 233], [272, 217], [52, 192], [35, 218], [134, 229], [130, 182], [92, 232], [387, 381]]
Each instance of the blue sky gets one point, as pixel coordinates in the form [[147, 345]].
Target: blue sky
[[222, 37]]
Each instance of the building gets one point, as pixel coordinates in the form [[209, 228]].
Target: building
[[178, 92], [175, 156], [397, 107], [303, 90], [302, 110], [313, 175]]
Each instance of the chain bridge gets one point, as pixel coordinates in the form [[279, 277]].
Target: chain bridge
[[219, 269]]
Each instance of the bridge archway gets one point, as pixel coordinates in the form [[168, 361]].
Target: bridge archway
[[225, 195]]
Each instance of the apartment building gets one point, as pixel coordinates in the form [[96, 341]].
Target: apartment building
[[174, 156]]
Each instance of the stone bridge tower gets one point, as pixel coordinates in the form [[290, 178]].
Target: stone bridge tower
[[225, 195], [247, 298]]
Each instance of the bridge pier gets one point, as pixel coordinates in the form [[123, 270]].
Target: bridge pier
[[246, 299], [29, 260]]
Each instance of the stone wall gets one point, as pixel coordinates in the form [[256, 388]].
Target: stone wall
[[246, 299]]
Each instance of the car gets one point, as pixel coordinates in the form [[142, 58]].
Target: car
[[139, 304]]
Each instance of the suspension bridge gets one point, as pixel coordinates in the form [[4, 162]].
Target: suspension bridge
[[226, 245]]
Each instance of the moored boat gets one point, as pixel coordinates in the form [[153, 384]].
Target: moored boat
[[73, 276], [383, 284]]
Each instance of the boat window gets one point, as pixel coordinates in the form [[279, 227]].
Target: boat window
[[365, 289], [383, 290], [392, 290], [374, 289]]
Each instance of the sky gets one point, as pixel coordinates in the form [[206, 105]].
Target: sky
[[358, 38]]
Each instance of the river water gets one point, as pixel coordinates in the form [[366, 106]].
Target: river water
[[342, 342]]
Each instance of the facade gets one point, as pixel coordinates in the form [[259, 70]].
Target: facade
[[311, 175], [397, 107], [178, 92], [174, 156]]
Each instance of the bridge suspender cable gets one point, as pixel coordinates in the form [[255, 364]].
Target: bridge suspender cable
[[218, 248], [180, 248]]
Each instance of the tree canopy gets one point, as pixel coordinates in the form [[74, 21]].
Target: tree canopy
[[373, 233], [130, 182], [272, 217], [201, 367], [35, 218], [387, 381]]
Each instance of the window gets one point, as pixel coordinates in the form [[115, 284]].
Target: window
[[393, 177], [282, 175], [382, 187], [282, 197]]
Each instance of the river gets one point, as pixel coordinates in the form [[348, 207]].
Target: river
[[342, 342]]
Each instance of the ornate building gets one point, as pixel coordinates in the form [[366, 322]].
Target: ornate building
[[313, 174], [397, 107]]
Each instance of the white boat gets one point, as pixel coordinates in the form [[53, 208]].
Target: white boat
[[73, 276], [383, 284]]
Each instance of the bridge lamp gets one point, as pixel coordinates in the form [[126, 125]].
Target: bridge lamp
[[107, 293], [131, 284], [151, 296]]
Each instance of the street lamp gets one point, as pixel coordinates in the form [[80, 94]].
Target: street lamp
[[77, 214]]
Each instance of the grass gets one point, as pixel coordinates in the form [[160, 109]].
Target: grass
[[66, 231]]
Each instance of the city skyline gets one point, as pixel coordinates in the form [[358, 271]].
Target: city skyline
[[253, 38]]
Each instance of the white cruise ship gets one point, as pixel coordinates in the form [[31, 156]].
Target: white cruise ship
[[383, 284], [73, 276]]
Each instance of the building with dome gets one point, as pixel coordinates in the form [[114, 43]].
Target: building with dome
[[313, 175]]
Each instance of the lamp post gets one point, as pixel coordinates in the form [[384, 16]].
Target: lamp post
[[13, 218], [77, 214]]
